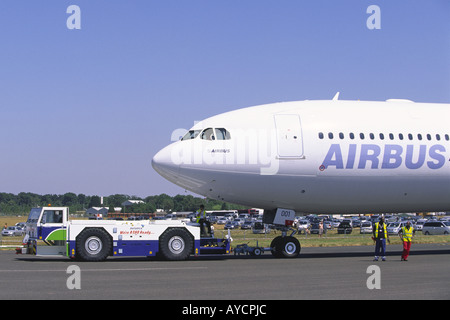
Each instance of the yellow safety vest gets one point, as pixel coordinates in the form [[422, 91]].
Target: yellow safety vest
[[407, 233], [377, 227], [201, 215]]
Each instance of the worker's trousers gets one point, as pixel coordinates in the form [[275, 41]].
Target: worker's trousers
[[205, 227], [406, 249], [380, 248]]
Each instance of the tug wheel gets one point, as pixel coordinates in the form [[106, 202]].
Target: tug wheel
[[93, 245], [175, 244]]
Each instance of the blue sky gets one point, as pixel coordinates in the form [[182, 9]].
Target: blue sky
[[85, 110]]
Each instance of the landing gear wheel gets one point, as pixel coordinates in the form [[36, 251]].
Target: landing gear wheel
[[285, 247], [275, 244], [175, 244], [290, 247], [93, 245]]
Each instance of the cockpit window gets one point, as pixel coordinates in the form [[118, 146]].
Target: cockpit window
[[222, 134], [208, 134], [192, 134]]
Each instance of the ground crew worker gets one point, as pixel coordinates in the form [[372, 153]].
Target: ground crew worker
[[380, 236], [201, 218], [406, 233]]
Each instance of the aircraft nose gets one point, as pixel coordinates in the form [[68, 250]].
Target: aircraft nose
[[163, 164]]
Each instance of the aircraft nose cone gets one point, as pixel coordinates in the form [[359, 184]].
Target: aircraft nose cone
[[163, 164]]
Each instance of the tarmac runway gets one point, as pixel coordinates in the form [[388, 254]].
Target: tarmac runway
[[319, 273]]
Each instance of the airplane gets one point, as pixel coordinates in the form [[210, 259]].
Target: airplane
[[320, 156]]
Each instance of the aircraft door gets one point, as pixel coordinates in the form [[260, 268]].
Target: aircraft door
[[289, 136]]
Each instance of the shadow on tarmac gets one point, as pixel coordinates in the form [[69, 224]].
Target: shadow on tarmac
[[331, 252]]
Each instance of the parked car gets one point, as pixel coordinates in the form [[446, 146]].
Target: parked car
[[247, 224], [302, 225], [419, 225], [336, 222], [356, 223], [21, 224], [222, 221], [314, 228], [12, 231], [436, 227], [366, 227], [231, 225], [345, 227], [244, 216], [395, 227], [259, 227], [230, 216], [169, 216], [350, 221]]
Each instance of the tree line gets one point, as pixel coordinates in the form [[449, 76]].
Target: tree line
[[11, 204]]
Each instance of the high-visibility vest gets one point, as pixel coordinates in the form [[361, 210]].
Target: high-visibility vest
[[377, 227], [201, 215], [407, 233]]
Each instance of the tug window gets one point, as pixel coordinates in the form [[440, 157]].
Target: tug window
[[52, 216]]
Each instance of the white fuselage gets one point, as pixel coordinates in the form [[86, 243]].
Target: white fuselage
[[319, 157]]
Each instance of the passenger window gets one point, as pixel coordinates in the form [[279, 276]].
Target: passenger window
[[361, 135], [438, 137], [330, 135], [381, 136], [320, 135], [447, 137], [341, 135], [208, 134], [352, 135], [372, 136], [419, 136], [222, 134], [429, 136], [391, 136], [400, 135], [410, 136]]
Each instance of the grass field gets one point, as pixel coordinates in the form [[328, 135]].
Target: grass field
[[331, 239], [239, 236]]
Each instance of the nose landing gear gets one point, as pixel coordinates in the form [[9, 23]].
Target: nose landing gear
[[285, 247]]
